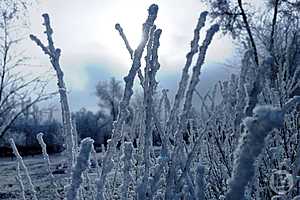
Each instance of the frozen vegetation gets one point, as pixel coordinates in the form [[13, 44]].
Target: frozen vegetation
[[244, 131]]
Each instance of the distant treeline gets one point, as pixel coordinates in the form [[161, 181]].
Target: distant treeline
[[88, 124]]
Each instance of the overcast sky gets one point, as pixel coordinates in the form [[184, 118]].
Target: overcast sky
[[92, 50]]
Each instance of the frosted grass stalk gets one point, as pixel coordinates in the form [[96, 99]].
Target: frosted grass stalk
[[148, 101], [167, 104], [22, 164], [124, 38], [296, 163], [195, 77], [88, 186], [152, 66], [47, 161], [197, 68], [129, 49], [185, 72], [82, 164]]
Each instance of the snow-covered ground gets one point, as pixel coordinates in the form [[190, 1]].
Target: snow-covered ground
[[38, 173], [9, 188]]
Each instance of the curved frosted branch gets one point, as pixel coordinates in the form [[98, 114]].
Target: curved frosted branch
[[47, 161]]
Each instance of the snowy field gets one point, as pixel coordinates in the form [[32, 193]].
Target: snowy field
[[38, 172], [10, 189]]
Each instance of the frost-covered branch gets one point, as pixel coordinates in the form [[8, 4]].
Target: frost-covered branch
[[123, 36], [82, 163], [10, 118], [274, 21], [148, 106], [130, 51], [185, 71], [54, 56], [197, 70], [152, 66], [249, 32]]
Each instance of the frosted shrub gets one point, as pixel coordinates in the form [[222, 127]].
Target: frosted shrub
[[47, 160]]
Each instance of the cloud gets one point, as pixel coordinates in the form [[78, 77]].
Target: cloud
[[84, 30]]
